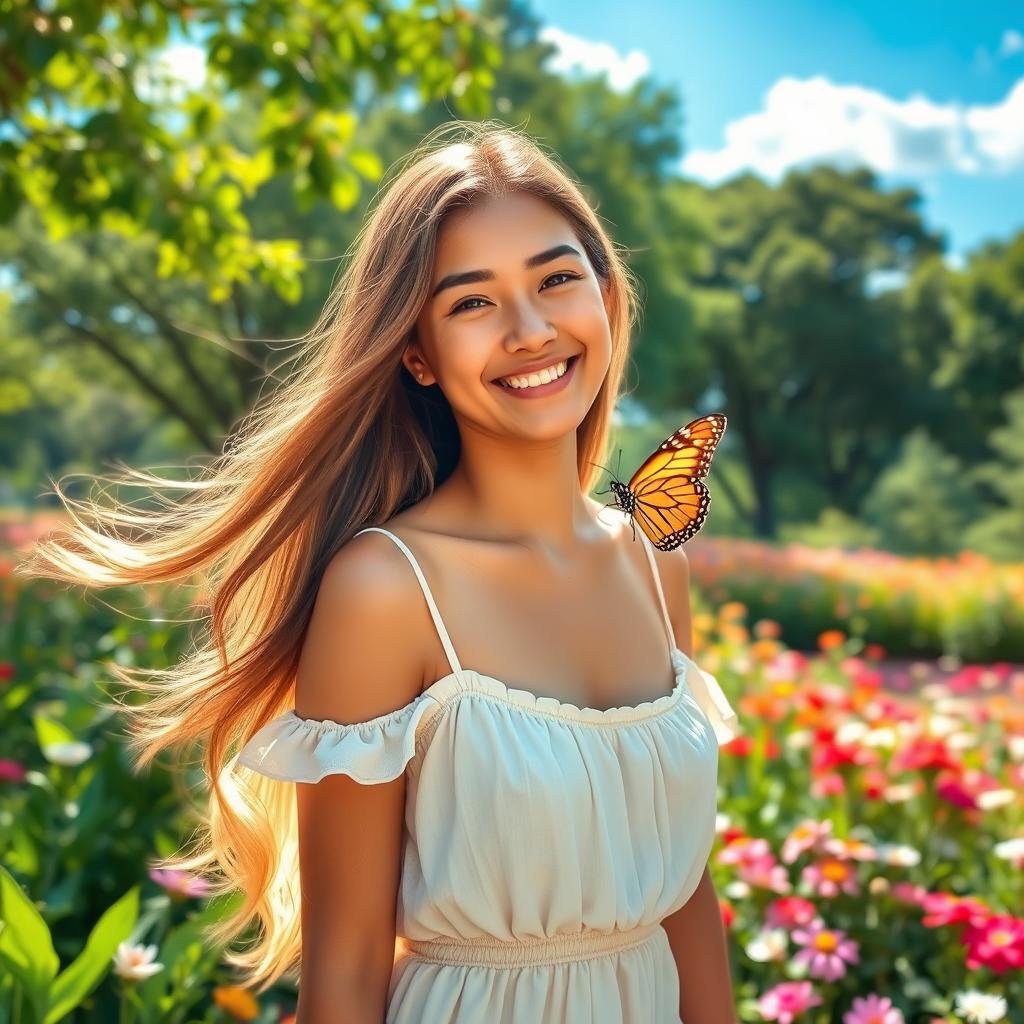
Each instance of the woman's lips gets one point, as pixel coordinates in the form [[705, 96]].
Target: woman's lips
[[542, 390]]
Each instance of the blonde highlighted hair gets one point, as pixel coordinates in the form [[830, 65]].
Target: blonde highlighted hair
[[345, 441]]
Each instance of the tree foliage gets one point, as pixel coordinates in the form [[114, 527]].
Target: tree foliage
[[100, 133]]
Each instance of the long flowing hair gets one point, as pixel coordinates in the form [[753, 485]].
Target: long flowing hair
[[346, 440]]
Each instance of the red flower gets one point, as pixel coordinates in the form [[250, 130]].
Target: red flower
[[949, 788], [874, 781], [789, 912], [923, 753], [942, 908], [727, 911]]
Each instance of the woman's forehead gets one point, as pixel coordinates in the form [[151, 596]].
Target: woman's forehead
[[501, 227]]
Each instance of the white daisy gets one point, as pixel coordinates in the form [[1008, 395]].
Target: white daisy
[[979, 1007], [135, 962]]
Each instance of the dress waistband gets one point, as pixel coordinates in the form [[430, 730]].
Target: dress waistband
[[553, 950]]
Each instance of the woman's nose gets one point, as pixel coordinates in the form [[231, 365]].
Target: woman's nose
[[530, 324]]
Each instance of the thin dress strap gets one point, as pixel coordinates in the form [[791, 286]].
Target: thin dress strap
[[446, 640], [649, 548]]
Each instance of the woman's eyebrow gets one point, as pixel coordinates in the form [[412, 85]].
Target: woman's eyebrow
[[472, 276]]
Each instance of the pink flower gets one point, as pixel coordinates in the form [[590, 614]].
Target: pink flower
[[179, 884], [850, 849], [11, 771], [873, 1009], [908, 892], [785, 667], [996, 943], [829, 784], [827, 951], [830, 876], [765, 873], [803, 838], [787, 1000], [789, 912], [743, 850]]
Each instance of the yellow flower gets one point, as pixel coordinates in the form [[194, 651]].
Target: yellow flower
[[237, 1002]]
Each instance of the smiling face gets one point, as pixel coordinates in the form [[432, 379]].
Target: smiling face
[[513, 292]]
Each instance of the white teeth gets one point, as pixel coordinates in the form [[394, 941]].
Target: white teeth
[[544, 376]]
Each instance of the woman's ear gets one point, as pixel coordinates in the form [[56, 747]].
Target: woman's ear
[[416, 364]]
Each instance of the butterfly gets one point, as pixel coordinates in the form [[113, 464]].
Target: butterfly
[[665, 495]]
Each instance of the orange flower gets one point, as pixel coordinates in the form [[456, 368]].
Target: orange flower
[[875, 652], [767, 629], [732, 610], [764, 706], [236, 1002], [735, 633], [765, 650], [830, 639]]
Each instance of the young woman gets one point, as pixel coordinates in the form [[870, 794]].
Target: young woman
[[477, 675]]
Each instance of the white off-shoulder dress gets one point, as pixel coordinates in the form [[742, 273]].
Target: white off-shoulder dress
[[543, 843]]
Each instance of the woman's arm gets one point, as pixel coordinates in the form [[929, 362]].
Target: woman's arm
[[351, 670], [697, 937], [695, 931]]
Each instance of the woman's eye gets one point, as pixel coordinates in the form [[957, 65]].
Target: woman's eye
[[565, 274], [562, 273], [462, 305]]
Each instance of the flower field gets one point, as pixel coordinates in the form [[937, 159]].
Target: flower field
[[870, 843], [967, 607]]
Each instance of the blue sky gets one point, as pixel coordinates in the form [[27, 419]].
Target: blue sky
[[930, 95]]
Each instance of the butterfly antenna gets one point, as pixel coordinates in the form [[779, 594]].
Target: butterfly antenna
[[599, 466]]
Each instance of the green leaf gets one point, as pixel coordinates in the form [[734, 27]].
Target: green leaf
[[50, 731], [344, 189], [367, 163], [61, 72], [187, 950], [26, 948], [84, 973]]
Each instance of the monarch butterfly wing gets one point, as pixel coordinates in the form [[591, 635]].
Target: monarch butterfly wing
[[671, 509], [670, 502], [688, 451]]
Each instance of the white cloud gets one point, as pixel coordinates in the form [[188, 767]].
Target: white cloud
[[813, 120], [576, 53], [1011, 43], [998, 130]]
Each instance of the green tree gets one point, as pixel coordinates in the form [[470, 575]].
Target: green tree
[[1000, 533], [984, 359], [923, 503], [200, 363], [806, 357], [100, 135]]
